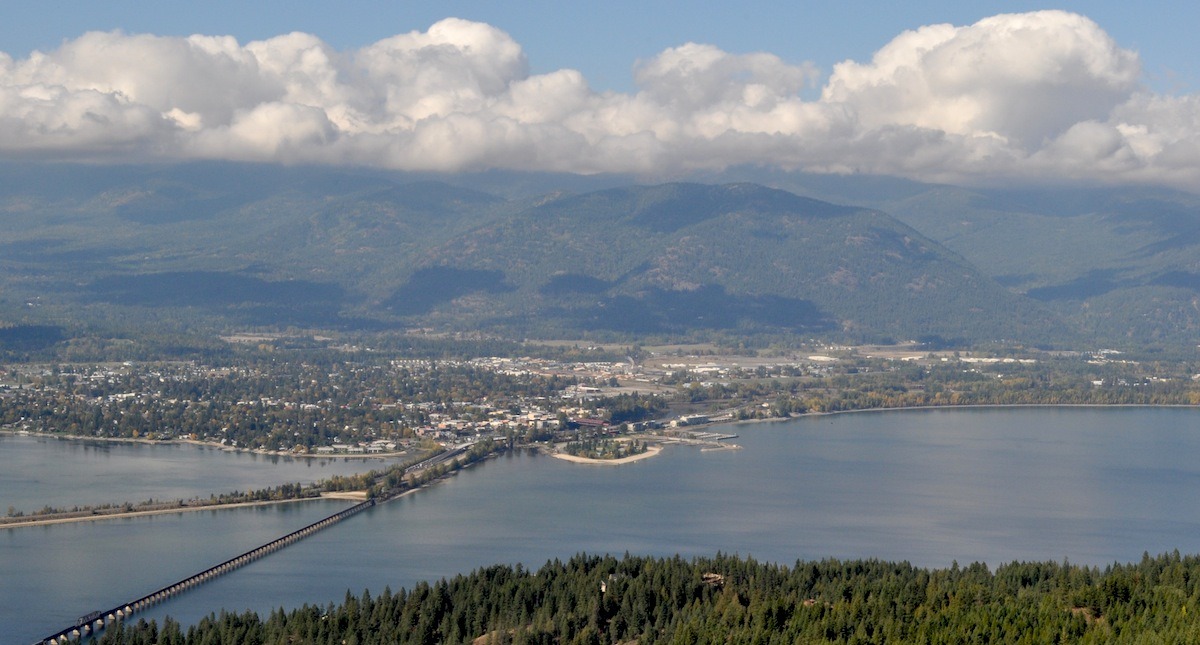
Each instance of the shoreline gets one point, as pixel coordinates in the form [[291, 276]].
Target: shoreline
[[731, 422], [349, 496], [651, 451], [737, 422], [996, 405], [201, 444], [341, 495]]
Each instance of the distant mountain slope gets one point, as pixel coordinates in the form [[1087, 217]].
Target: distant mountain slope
[[1119, 264], [740, 256], [219, 246]]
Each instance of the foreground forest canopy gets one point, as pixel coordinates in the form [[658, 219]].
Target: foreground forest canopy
[[729, 599]]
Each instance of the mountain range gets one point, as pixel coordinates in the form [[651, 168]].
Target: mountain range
[[215, 247]]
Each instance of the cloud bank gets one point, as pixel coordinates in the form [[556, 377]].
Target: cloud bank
[[1021, 96]]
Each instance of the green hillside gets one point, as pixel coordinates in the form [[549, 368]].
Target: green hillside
[[208, 248], [1119, 265], [685, 256]]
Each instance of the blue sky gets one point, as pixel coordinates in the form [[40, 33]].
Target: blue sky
[[982, 92]]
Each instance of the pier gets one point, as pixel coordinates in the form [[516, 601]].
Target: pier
[[706, 440]]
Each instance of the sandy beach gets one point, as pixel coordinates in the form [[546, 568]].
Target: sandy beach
[[650, 452]]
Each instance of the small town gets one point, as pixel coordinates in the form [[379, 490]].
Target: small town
[[387, 406]]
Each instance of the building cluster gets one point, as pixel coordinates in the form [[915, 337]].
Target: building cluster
[[353, 408]]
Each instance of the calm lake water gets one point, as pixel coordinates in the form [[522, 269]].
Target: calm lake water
[[45, 471], [994, 485]]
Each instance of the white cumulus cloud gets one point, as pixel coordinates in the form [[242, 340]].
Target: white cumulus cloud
[[1039, 95], [1021, 78]]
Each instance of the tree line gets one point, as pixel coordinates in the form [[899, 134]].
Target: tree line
[[729, 599]]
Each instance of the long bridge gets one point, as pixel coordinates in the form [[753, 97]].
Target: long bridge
[[97, 620]]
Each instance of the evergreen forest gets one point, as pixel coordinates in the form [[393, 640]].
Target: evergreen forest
[[732, 599]]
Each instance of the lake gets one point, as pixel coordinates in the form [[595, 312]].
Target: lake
[[1090, 485], [46, 471]]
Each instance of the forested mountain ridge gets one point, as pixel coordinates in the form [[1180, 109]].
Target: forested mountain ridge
[[216, 247], [1119, 264], [666, 258]]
